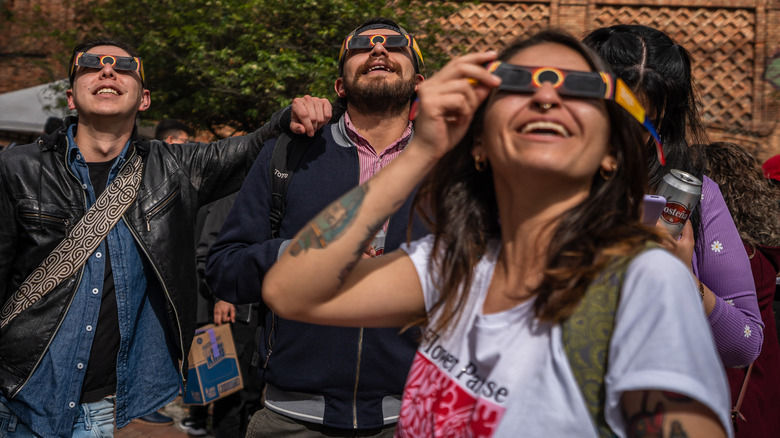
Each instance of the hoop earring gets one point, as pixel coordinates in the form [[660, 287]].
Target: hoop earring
[[480, 163], [605, 175]]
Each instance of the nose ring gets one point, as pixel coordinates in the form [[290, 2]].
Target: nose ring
[[545, 106]]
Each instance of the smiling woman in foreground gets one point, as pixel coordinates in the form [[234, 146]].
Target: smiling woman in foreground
[[537, 263]]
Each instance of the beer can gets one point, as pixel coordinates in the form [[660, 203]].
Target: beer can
[[682, 192], [379, 242]]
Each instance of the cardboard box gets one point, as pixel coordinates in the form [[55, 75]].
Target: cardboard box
[[214, 372]]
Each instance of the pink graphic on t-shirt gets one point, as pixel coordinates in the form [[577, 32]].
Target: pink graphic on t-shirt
[[434, 405]]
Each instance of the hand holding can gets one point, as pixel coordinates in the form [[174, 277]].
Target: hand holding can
[[682, 192]]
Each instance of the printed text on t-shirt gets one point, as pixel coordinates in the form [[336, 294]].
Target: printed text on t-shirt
[[468, 375]]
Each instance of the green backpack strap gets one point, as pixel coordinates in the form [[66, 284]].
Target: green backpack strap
[[586, 336]]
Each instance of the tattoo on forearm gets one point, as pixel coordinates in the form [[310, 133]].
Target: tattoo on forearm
[[329, 225], [677, 430], [646, 423], [649, 422]]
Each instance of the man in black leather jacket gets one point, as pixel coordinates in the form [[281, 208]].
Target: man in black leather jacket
[[111, 340]]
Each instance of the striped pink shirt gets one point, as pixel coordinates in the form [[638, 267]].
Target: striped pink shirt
[[370, 161]]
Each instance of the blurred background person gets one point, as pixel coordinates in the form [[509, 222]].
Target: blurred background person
[[753, 202], [229, 415], [173, 131], [771, 169]]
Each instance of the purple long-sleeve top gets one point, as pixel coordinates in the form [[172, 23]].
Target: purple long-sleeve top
[[720, 262]]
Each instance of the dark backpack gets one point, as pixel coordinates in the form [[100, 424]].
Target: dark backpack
[[285, 159]]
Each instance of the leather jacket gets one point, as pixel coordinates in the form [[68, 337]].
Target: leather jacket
[[41, 200]]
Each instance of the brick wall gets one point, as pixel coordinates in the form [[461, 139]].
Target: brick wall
[[731, 42], [26, 47], [29, 54]]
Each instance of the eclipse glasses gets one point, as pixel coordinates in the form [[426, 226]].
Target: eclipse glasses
[[92, 60], [521, 79], [369, 41], [584, 84], [358, 42]]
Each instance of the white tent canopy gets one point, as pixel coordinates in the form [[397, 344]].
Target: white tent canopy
[[27, 110]]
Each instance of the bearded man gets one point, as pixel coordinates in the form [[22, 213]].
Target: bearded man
[[329, 381]]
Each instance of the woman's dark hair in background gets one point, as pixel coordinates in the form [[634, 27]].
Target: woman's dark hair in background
[[459, 203], [751, 198], [658, 71]]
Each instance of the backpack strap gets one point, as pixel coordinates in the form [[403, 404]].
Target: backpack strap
[[586, 337], [286, 158], [284, 162]]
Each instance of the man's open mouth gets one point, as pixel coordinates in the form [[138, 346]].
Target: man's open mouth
[[107, 90]]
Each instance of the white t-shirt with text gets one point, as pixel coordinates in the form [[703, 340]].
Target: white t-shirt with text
[[506, 374]]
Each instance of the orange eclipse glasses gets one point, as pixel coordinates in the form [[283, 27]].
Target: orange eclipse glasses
[[358, 42], [522, 79], [92, 60]]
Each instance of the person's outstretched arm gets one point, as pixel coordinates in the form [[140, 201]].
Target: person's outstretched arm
[[321, 278]]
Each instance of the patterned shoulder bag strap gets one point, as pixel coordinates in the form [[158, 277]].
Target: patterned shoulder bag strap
[[586, 336], [82, 240]]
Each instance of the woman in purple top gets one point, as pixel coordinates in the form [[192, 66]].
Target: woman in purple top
[[752, 201], [659, 72]]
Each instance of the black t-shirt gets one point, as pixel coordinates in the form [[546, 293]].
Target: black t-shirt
[[100, 378]]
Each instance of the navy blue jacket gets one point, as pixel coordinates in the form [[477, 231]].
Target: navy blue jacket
[[353, 370]]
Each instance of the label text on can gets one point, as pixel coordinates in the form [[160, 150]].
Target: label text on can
[[675, 213]]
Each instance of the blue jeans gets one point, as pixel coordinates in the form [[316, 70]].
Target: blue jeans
[[96, 420]]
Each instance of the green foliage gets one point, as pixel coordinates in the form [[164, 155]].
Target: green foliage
[[234, 62]]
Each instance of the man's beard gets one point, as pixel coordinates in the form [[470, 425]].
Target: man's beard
[[379, 96]]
